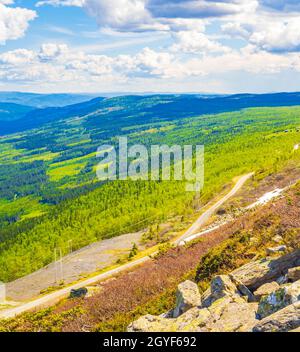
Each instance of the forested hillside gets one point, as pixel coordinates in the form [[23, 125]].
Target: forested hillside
[[130, 110]]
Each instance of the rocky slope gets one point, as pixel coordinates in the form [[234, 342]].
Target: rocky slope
[[261, 296]]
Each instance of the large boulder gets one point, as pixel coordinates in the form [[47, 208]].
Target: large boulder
[[243, 290], [266, 290], [255, 274], [187, 297], [276, 250], [221, 286], [294, 274], [79, 293], [286, 319], [223, 315], [190, 321], [232, 317], [225, 306], [292, 292], [279, 299]]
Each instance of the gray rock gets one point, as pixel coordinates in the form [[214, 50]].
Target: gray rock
[[279, 299], [294, 274], [282, 280], [266, 289], [223, 315], [244, 291], [255, 274], [221, 286], [286, 319], [292, 292], [232, 317], [187, 297], [190, 321], [81, 292], [276, 250]]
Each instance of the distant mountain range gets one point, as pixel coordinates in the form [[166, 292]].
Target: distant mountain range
[[44, 100], [20, 117]]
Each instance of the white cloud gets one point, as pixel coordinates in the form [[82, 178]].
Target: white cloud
[[282, 5], [278, 36], [76, 3], [259, 22], [57, 62], [17, 57], [123, 15], [196, 42], [14, 21], [145, 15], [193, 8], [267, 31], [52, 51], [202, 47]]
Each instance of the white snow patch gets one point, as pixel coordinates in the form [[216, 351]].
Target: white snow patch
[[266, 198]]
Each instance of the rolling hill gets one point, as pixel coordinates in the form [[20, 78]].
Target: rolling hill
[[43, 100], [129, 110]]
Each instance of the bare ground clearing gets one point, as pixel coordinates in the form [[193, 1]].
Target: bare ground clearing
[[76, 265]]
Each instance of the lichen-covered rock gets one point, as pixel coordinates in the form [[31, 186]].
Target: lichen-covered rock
[[243, 290], [271, 303], [187, 297], [221, 286], [255, 274], [266, 289], [286, 319], [224, 315], [235, 316], [282, 280], [294, 274], [225, 306], [292, 292], [190, 321], [276, 250], [279, 299]]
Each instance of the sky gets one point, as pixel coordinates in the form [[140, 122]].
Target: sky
[[206, 46]]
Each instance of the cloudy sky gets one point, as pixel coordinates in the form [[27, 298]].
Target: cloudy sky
[[150, 45]]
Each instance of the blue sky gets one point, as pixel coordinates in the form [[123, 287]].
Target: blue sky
[[223, 46]]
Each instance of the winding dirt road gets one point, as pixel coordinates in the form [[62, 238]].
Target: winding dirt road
[[207, 214], [54, 297]]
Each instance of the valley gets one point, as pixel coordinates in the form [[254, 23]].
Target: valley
[[57, 193], [55, 215]]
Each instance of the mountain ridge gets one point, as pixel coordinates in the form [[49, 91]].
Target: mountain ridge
[[168, 106]]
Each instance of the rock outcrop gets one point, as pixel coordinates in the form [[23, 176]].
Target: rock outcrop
[[187, 297], [294, 274], [286, 319], [277, 249], [255, 297], [266, 289], [279, 299], [255, 274]]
